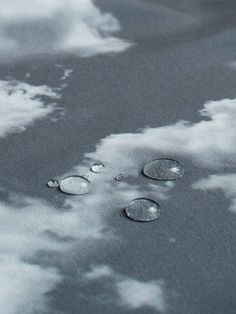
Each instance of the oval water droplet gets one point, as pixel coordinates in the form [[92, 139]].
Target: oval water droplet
[[142, 209], [119, 177], [53, 183], [76, 185], [163, 169], [97, 167]]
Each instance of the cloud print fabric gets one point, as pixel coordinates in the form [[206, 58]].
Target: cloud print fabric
[[85, 81]]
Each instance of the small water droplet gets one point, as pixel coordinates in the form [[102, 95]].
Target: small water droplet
[[142, 209], [163, 169], [97, 167], [119, 177], [76, 185], [53, 183]]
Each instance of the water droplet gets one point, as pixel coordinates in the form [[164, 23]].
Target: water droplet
[[142, 209], [163, 169], [119, 177], [53, 183], [76, 185], [97, 167]]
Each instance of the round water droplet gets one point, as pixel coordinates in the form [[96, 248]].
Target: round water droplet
[[53, 183], [97, 167], [163, 169], [142, 209], [119, 177], [76, 185]]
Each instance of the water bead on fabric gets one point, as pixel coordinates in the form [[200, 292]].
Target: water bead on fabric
[[97, 167], [142, 209], [119, 177], [163, 169], [53, 183], [76, 185]]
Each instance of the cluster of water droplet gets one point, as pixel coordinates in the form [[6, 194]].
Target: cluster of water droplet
[[76, 185], [140, 209], [162, 169]]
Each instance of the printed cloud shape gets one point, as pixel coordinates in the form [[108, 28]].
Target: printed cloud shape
[[224, 182], [21, 104], [28, 226], [136, 294], [24, 286], [131, 293], [56, 26], [210, 142]]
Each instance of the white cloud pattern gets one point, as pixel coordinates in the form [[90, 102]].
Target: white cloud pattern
[[56, 26], [224, 182], [21, 104], [131, 293]]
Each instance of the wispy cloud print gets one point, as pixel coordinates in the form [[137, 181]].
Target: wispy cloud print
[[28, 226], [24, 286], [135, 294], [130, 293], [56, 26], [224, 182], [209, 142], [21, 104]]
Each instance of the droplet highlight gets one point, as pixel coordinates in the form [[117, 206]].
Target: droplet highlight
[[53, 183], [142, 209], [76, 185], [97, 167], [163, 169], [119, 177]]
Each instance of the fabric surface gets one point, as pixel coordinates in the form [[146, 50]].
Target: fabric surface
[[121, 83]]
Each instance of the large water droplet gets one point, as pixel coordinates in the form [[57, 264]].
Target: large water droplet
[[53, 183], [142, 209], [163, 169], [97, 167], [75, 185], [119, 177]]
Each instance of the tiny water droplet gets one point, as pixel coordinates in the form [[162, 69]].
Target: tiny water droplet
[[76, 185], [53, 183], [142, 209], [97, 167], [119, 177], [163, 169]]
